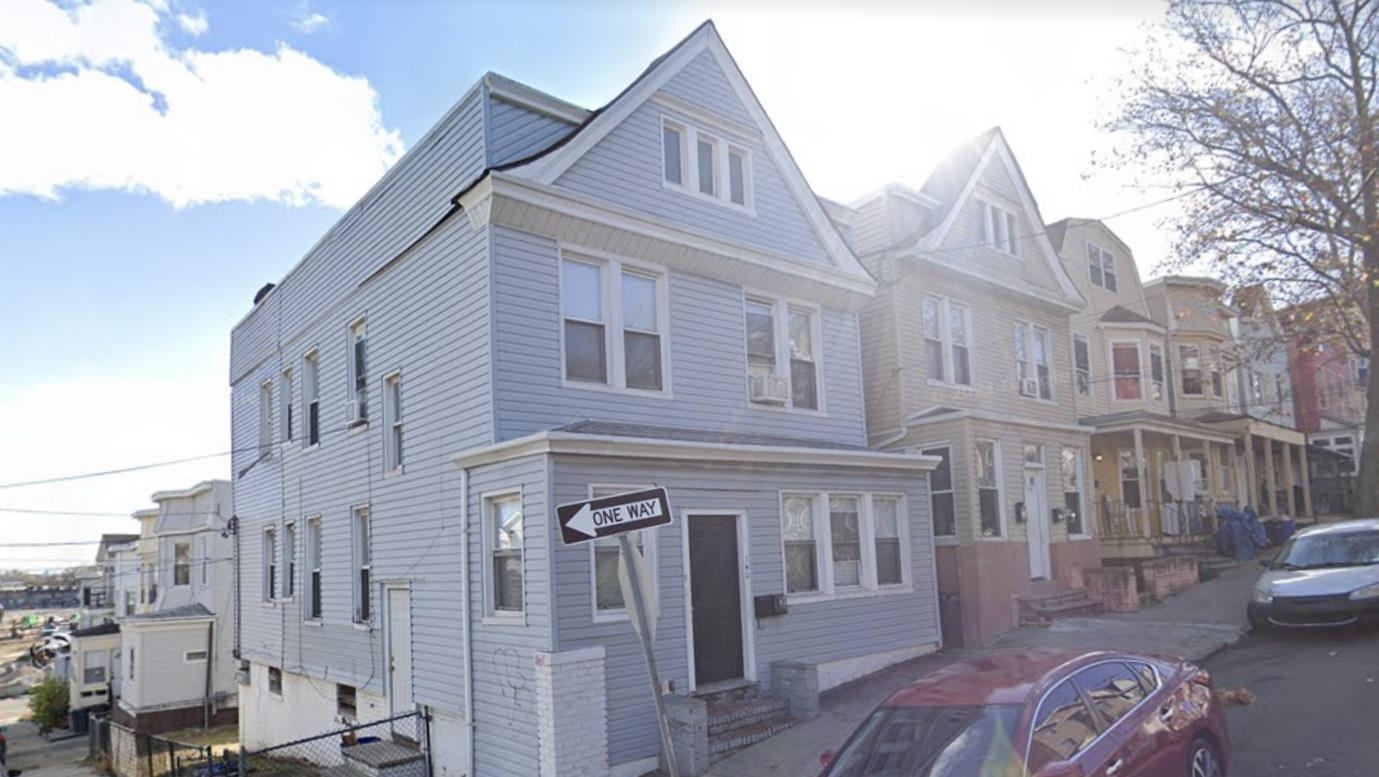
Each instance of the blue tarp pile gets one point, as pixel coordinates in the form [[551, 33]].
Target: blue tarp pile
[[1239, 533]]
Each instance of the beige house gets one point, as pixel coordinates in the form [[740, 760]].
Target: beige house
[[966, 356]]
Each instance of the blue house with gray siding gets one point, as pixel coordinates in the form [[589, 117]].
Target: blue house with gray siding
[[536, 305]]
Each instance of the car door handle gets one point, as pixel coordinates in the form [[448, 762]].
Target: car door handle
[[1115, 767], [1166, 713]]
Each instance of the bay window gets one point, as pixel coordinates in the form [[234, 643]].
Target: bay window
[[1190, 363], [614, 323], [1215, 367], [1082, 365], [1125, 364], [1156, 372]]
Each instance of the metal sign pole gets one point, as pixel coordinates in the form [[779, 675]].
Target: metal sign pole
[[625, 547]]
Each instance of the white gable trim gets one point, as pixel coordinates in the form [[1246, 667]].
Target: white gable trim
[[999, 147], [546, 169]]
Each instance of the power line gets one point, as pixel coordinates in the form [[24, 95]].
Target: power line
[[119, 471], [47, 544], [37, 511]]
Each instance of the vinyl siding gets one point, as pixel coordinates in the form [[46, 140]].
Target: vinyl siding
[[815, 631], [624, 168], [707, 369], [880, 369], [515, 132], [162, 677]]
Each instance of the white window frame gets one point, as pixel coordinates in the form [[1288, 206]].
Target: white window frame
[[780, 321], [358, 330], [942, 539], [1215, 372], [1001, 517], [314, 554], [723, 145], [1028, 331], [648, 537], [1156, 385], [286, 411], [1105, 259], [1077, 371], [190, 656], [269, 681], [945, 312], [611, 269], [289, 565], [823, 545], [311, 395], [361, 555], [268, 552], [488, 532], [999, 225], [1083, 469], [1139, 359], [1201, 371], [393, 437], [175, 565], [266, 419]]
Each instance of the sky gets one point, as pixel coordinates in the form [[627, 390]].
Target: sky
[[160, 160]]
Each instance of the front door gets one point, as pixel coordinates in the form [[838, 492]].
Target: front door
[[715, 598], [400, 662], [1037, 523]]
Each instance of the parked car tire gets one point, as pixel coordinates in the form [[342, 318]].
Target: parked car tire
[[1203, 760], [1257, 621]]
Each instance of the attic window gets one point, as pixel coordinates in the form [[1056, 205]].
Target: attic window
[[705, 166], [998, 228]]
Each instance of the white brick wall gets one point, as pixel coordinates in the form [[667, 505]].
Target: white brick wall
[[572, 717]]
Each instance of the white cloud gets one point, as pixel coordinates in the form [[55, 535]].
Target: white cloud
[[309, 21], [109, 104], [193, 24]]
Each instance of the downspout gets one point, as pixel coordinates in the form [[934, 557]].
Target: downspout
[[466, 630], [239, 599], [210, 659]]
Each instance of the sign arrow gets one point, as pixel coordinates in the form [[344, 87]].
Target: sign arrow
[[583, 521], [609, 516]]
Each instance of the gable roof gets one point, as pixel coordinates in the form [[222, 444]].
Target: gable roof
[[953, 182], [545, 166], [1119, 314]]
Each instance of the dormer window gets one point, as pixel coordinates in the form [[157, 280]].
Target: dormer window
[[1101, 267], [998, 228], [705, 165]]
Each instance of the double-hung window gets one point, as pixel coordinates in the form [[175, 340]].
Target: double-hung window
[[1130, 479], [266, 419], [504, 530], [989, 487], [311, 396], [1101, 267], [843, 542], [705, 165], [608, 601], [286, 398], [1190, 363], [313, 564], [358, 372], [392, 423], [941, 502], [270, 564], [1214, 352], [1125, 364], [947, 331], [290, 560], [1082, 365], [1032, 367], [615, 321], [782, 345], [1156, 372], [999, 228], [182, 563], [363, 564], [1072, 490]]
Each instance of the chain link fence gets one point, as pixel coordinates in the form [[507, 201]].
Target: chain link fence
[[396, 746], [129, 753]]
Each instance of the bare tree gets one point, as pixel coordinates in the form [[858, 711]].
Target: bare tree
[[1263, 113]]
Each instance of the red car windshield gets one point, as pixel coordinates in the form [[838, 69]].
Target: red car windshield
[[971, 741]]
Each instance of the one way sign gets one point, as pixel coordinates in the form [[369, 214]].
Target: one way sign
[[612, 515]]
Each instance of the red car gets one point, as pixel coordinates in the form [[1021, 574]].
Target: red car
[[1045, 713]]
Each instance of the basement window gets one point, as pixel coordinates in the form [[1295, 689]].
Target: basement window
[[346, 701]]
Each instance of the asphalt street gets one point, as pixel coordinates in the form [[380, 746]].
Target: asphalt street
[[1318, 701]]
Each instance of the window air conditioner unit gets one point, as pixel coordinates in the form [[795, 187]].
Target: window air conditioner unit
[[1029, 387], [770, 389]]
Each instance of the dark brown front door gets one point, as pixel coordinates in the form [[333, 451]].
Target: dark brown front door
[[715, 598]]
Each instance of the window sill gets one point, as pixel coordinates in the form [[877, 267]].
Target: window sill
[[774, 408], [613, 616], [504, 619], [944, 384], [392, 473], [357, 426], [945, 540], [853, 593], [1079, 537], [680, 188], [269, 605], [608, 388], [362, 626], [1041, 400], [311, 447], [313, 622]]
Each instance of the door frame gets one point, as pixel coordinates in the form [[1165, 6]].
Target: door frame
[[388, 588], [744, 589], [1041, 515]]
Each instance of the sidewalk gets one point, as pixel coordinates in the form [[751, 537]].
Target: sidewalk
[[1193, 624]]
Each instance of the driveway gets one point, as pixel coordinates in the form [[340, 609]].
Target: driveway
[[35, 755]]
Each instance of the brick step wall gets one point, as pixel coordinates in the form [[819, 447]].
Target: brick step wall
[[743, 717]]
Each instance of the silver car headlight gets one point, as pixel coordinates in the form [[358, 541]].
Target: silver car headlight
[[1368, 592], [1261, 596]]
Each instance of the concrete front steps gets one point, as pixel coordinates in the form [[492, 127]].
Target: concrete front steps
[[1043, 609], [380, 759], [743, 717], [1210, 564]]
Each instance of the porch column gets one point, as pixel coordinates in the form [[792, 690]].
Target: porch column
[[1144, 486], [1288, 479], [1251, 495], [1213, 475], [1270, 476], [1182, 483], [1306, 482]]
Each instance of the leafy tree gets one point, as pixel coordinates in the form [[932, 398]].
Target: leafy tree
[[1262, 112], [48, 703]]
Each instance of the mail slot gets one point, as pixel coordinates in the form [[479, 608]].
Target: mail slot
[[770, 605]]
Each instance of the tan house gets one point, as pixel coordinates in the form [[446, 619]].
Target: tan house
[[966, 355]]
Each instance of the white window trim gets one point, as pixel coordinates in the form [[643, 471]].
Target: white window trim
[[611, 267], [311, 357], [266, 419], [268, 681], [1088, 342], [187, 659], [361, 323], [308, 597], [190, 564], [649, 540], [946, 338], [823, 546], [1141, 356], [357, 596], [991, 213], [1103, 255], [689, 158], [780, 317], [390, 420], [288, 561], [268, 587], [1162, 381], [1202, 376], [1082, 470], [493, 616], [1028, 328], [976, 492], [940, 539], [286, 414]]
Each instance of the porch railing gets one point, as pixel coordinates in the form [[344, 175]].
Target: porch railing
[[1156, 520]]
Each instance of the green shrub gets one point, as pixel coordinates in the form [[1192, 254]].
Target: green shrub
[[48, 702]]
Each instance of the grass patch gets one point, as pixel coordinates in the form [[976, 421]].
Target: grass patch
[[220, 739]]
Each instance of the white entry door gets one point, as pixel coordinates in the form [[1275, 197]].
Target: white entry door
[[1037, 523], [400, 661]]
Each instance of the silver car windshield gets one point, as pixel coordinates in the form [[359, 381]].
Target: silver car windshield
[[1319, 551]]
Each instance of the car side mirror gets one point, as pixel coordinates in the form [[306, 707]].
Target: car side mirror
[[1060, 769]]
